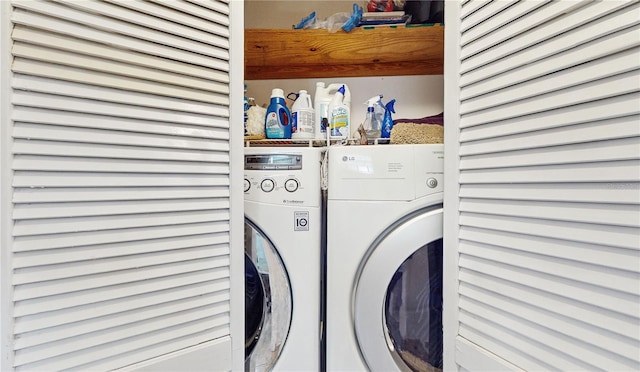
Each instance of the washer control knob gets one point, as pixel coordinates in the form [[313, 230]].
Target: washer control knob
[[267, 185], [247, 185], [291, 185], [432, 183]]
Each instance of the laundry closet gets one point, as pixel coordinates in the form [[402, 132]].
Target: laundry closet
[[541, 207], [121, 218], [360, 215]]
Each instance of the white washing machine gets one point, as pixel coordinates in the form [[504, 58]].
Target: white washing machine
[[384, 258], [282, 263]]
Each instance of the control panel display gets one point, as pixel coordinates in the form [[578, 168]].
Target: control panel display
[[273, 162]]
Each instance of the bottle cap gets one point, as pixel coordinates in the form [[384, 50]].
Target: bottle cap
[[277, 92]]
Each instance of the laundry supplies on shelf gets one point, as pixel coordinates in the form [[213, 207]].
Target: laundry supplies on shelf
[[277, 122]]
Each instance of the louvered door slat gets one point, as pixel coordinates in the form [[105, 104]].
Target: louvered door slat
[[558, 285], [40, 258], [65, 306], [502, 14], [604, 48], [612, 129], [592, 315], [86, 314], [54, 102], [171, 106], [68, 164], [82, 75], [103, 135], [70, 29], [611, 192], [619, 215], [84, 356], [122, 27], [623, 149], [63, 194], [532, 333], [472, 6], [34, 147], [214, 11], [507, 344], [35, 289], [171, 143], [477, 15], [564, 32], [617, 236], [618, 258], [542, 83], [568, 328], [595, 90], [620, 171], [125, 68], [619, 108], [75, 179], [49, 210], [59, 334], [165, 12], [542, 14], [542, 223], [620, 281], [153, 22], [99, 223], [44, 38], [121, 178]]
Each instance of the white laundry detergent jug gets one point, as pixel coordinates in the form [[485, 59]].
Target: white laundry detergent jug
[[303, 117]]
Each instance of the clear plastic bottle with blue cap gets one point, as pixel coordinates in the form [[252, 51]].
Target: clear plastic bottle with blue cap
[[372, 123]]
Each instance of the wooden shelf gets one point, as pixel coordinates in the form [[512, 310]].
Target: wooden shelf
[[383, 51]]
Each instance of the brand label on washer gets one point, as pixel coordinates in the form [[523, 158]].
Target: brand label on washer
[[301, 221]]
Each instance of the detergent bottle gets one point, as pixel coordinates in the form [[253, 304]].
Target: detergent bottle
[[387, 121], [303, 117], [323, 96], [339, 116], [372, 123], [277, 122]]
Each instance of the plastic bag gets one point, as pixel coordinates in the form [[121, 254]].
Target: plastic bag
[[333, 23]]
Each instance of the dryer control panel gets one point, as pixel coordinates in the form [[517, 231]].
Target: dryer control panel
[[386, 172], [281, 176]]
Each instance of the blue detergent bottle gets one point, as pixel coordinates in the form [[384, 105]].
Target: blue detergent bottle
[[277, 122], [387, 121]]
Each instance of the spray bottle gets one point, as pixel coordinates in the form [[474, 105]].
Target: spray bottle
[[387, 122], [372, 122], [339, 116], [323, 96]]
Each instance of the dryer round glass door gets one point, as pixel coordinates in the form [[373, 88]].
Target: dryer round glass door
[[267, 322], [398, 296], [413, 310]]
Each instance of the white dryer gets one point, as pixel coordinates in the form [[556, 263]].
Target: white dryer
[[282, 262], [384, 258]]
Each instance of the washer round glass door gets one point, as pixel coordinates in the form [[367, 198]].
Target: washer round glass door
[[398, 298], [267, 322]]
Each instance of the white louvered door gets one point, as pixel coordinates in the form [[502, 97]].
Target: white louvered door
[[120, 186], [542, 189]]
